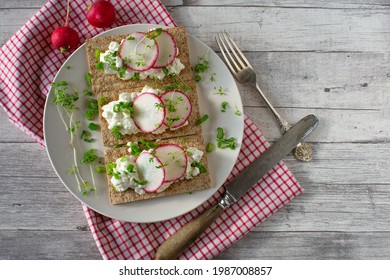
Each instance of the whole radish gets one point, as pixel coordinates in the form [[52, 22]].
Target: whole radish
[[101, 14], [65, 38]]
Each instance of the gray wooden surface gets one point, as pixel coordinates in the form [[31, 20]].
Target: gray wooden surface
[[330, 58]]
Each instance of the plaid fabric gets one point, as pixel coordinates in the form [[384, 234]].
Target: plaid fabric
[[122, 240], [29, 64]]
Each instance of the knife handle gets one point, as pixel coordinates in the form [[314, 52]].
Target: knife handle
[[172, 247]]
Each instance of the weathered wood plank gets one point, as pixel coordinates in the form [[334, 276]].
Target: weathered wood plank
[[284, 29], [339, 4], [320, 80], [320, 208], [311, 246], [348, 208], [10, 133], [259, 245], [14, 4], [47, 245], [269, 29], [335, 125], [39, 204]]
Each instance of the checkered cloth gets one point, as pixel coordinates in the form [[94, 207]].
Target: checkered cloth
[[29, 64]]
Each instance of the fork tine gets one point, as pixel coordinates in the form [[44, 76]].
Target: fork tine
[[236, 48], [225, 52], [233, 51]]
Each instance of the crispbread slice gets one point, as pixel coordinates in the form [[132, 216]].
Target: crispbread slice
[[190, 129], [199, 182], [107, 82]]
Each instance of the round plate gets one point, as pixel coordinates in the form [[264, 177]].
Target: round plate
[[221, 162]]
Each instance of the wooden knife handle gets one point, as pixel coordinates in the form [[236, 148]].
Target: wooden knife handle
[[172, 247]]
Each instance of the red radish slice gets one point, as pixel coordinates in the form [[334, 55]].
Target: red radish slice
[[149, 112], [167, 50], [163, 187], [178, 108], [146, 166], [174, 161], [138, 52]]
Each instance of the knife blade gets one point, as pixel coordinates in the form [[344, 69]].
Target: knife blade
[[183, 238]]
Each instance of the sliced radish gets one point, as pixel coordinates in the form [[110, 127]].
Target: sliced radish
[[138, 52], [163, 187], [149, 112], [167, 50], [147, 170], [174, 160], [178, 108]]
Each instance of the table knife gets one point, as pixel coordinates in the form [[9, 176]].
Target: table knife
[[184, 237]]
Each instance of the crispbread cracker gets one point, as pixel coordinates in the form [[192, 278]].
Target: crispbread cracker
[[109, 139], [107, 82], [198, 182]]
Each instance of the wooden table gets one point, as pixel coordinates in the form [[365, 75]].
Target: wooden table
[[330, 58]]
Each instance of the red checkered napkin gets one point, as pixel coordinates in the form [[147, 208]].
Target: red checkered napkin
[[29, 64], [122, 240]]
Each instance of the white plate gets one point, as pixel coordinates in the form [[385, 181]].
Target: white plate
[[220, 161]]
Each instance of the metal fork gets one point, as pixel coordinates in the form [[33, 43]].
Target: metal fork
[[243, 72]]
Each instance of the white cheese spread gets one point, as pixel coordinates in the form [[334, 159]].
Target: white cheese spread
[[124, 173], [121, 119]]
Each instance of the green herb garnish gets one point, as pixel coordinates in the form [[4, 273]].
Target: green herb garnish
[[220, 91], [202, 119], [93, 126], [209, 147], [63, 98], [88, 78], [130, 168], [92, 109], [224, 106], [116, 131], [99, 65], [201, 67], [100, 169], [135, 149], [85, 136], [89, 156], [97, 53], [141, 183], [124, 107], [102, 100], [223, 142], [154, 33], [237, 112], [202, 168], [87, 92], [149, 144]]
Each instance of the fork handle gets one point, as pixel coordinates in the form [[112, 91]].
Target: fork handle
[[284, 125]]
